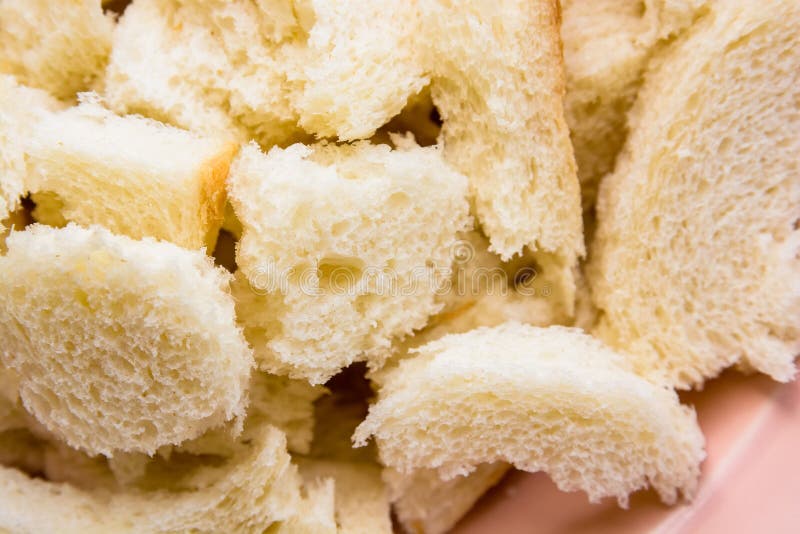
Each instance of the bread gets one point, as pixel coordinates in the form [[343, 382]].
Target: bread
[[21, 108], [247, 493], [61, 47], [497, 81], [316, 511], [343, 248], [543, 399], [361, 503], [263, 70], [132, 175], [425, 504], [84, 327], [695, 262], [607, 44]]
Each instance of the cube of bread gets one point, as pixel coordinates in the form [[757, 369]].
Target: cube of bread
[[120, 345], [498, 83], [260, 70], [361, 501], [343, 249], [21, 108], [695, 262], [247, 493], [424, 503], [607, 44], [134, 176], [543, 399], [61, 47]]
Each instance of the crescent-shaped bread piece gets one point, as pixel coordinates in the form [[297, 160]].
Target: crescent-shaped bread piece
[[696, 261], [255, 488], [543, 399], [120, 344], [497, 79]]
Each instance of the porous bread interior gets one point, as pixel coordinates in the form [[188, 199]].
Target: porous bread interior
[[695, 262]]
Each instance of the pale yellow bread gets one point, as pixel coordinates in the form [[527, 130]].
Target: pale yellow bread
[[343, 248], [61, 47], [607, 44], [498, 83], [134, 176], [21, 108], [696, 258], [542, 399], [247, 493], [425, 504], [120, 344]]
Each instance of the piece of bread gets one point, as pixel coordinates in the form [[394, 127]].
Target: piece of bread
[[61, 47], [21, 108], [695, 262], [343, 249], [498, 83], [120, 344], [543, 399], [361, 501], [264, 70], [607, 44], [247, 493], [316, 511], [425, 504], [134, 176]]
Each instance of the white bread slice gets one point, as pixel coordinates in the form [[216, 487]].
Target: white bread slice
[[21, 108], [543, 399], [246, 493], [607, 44], [424, 503], [132, 175], [498, 82], [257, 69], [61, 47], [696, 258], [361, 501], [120, 344], [342, 250]]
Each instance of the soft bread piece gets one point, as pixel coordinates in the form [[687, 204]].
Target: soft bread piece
[[607, 44], [257, 69], [134, 176], [361, 502], [543, 399], [21, 108], [695, 263], [120, 344], [424, 503], [315, 512], [497, 80], [61, 47], [246, 493], [341, 250]]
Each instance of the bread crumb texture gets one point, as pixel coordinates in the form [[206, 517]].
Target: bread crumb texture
[[120, 344], [542, 399], [696, 259]]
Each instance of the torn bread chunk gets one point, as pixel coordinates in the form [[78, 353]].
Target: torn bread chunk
[[120, 345], [696, 260], [21, 109], [607, 44], [61, 47], [542, 399], [361, 500], [248, 492], [343, 249], [269, 71], [497, 79], [134, 176]]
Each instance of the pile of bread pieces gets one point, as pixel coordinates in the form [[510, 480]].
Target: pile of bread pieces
[[317, 266]]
